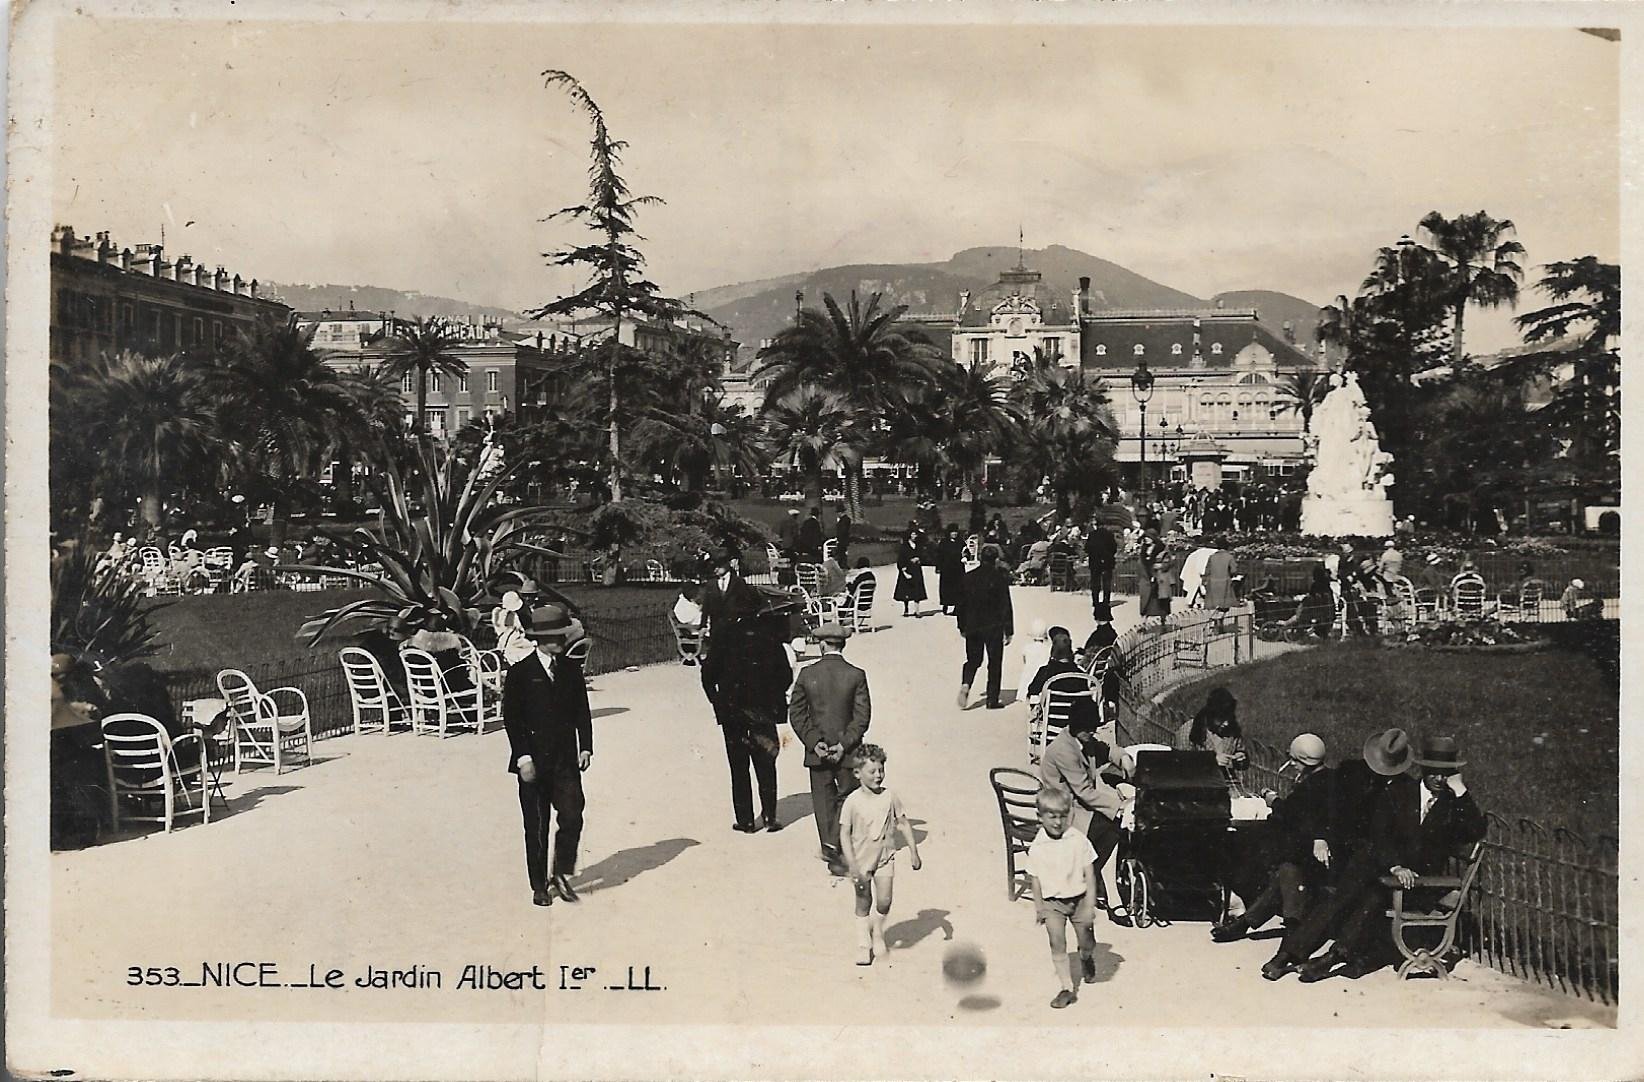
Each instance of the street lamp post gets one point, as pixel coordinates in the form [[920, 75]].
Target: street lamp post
[[1141, 388]]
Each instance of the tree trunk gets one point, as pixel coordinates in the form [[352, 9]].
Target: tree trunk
[[153, 516], [342, 476], [279, 517], [615, 438], [817, 486], [419, 423], [853, 492], [1455, 336]]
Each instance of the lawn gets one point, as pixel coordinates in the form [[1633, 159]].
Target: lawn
[[1540, 731], [210, 631]]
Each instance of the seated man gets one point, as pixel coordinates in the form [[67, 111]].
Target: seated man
[[1035, 563], [688, 609], [1577, 605], [1302, 824], [858, 573]]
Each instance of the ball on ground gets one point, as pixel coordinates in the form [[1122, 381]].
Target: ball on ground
[[964, 963]]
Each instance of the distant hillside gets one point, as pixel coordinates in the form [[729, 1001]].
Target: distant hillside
[[1274, 309], [756, 311], [314, 298]]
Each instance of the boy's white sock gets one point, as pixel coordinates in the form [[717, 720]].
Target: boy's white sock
[[876, 926], [1064, 972], [864, 931]]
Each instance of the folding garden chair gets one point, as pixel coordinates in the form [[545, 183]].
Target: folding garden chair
[[1055, 707], [266, 732], [435, 707], [143, 766], [857, 614], [372, 698], [1017, 792]]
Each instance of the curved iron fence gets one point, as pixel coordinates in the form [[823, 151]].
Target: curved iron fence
[[1545, 903]]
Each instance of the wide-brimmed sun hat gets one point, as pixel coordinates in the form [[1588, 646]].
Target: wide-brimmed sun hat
[[1389, 753], [1440, 754], [552, 621]]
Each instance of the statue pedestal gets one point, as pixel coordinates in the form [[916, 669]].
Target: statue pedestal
[[1330, 516]]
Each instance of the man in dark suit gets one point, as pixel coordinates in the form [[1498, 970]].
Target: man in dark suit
[[726, 596], [987, 623], [842, 537], [810, 538], [1416, 827], [787, 534], [745, 674], [1102, 550], [550, 743], [830, 711]]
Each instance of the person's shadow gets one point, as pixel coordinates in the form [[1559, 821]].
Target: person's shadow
[[911, 931], [1107, 963], [919, 834], [623, 865], [794, 807]]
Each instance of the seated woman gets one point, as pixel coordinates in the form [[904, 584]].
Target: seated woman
[[858, 573], [1061, 661], [1317, 610], [832, 582], [1035, 562], [1216, 728]]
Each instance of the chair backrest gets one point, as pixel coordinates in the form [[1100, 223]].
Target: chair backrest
[[220, 558], [1427, 598], [1531, 593], [579, 650], [973, 548], [1097, 664], [1018, 794], [240, 693], [859, 610], [654, 570], [366, 682], [1058, 695], [829, 547], [152, 559], [1470, 598], [809, 576], [423, 678], [1060, 563], [137, 750]]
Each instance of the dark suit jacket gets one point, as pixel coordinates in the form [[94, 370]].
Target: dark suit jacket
[[830, 703], [746, 675], [984, 607], [1403, 837], [547, 719], [1101, 547], [738, 599], [1310, 811], [810, 536]]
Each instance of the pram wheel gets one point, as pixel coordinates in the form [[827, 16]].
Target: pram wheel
[[1131, 879]]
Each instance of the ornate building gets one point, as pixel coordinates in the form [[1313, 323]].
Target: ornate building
[[1005, 325]]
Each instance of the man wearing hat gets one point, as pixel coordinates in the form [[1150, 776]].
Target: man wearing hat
[[1303, 826], [829, 710], [987, 623], [1102, 647], [726, 596], [1102, 550], [550, 743], [745, 674], [787, 534]]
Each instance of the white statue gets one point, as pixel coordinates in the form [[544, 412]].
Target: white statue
[[1347, 490]]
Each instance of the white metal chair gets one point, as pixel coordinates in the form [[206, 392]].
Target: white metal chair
[[266, 732], [1401, 596], [219, 566], [1055, 707], [1524, 605], [372, 698], [1427, 605], [809, 577], [435, 707], [857, 615], [143, 765], [687, 639], [486, 667], [829, 547], [655, 572], [579, 651], [1469, 598]]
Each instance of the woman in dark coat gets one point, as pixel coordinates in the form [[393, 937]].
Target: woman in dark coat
[[910, 573], [950, 570], [1154, 601]]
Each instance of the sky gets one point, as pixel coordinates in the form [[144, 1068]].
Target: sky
[[424, 155]]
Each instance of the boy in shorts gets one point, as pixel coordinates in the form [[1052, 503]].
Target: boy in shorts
[[1061, 866], [868, 846]]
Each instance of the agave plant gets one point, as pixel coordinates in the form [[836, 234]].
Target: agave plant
[[431, 567], [98, 614]]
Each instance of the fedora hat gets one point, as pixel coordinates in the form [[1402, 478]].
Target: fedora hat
[[552, 621], [1389, 753], [1440, 753]]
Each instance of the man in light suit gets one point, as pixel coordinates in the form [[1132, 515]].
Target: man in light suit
[[550, 742], [829, 711]]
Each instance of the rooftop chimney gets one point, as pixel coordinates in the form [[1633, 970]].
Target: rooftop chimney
[[251, 290], [239, 285], [105, 250], [202, 277], [63, 236], [125, 259], [219, 281], [180, 268]]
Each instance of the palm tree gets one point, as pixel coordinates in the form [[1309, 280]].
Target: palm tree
[[1483, 265], [151, 419], [816, 430], [424, 347], [1070, 431], [984, 421], [1300, 391], [283, 409], [705, 439], [858, 353], [917, 435]]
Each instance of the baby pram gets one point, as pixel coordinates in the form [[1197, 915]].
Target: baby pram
[[1173, 839]]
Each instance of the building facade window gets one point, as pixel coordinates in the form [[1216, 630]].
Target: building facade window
[[491, 381], [408, 383], [1215, 349], [1053, 349], [1138, 349], [1101, 350], [1176, 349], [434, 420], [436, 384], [462, 418], [462, 382], [154, 327], [199, 331], [978, 351], [128, 319], [217, 331]]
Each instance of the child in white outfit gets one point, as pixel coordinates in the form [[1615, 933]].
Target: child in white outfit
[[1061, 866], [869, 847]]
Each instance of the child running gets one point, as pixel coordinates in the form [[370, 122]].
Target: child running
[[865, 839], [1061, 865]]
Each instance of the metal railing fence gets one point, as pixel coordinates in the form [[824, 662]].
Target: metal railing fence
[[1544, 907]]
